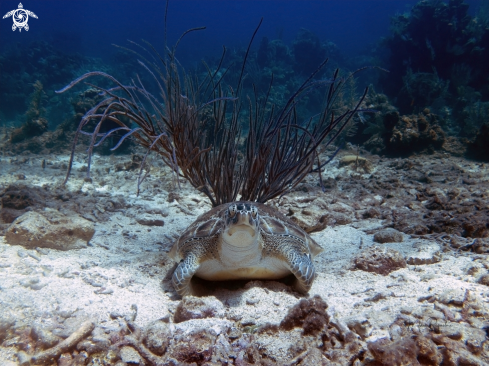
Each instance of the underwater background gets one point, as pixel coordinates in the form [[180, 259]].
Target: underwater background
[[382, 162], [433, 55]]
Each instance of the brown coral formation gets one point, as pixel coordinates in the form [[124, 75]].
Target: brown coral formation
[[415, 133], [310, 314]]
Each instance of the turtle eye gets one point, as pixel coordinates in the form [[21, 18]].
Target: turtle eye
[[232, 210], [254, 212]]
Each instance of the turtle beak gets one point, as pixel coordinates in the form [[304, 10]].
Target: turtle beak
[[243, 219], [242, 223]]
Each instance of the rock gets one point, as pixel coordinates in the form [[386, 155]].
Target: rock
[[388, 236], [8, 215], [192, 307], [45, 339], [5, 327], [405, 351], [372, 213], [310, 221], [424, 253], [360, 326], [157, 336], [379, 260], [195, 347], [484, 280], [312, 357], [481, 246], [310, 314], [356, 162], [50, 229], [458, 241], [130, 356], [454, 297], [150, 220], [195, 340], [314, 220]]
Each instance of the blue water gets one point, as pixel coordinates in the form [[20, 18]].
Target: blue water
[[77, 30], [90, 27]]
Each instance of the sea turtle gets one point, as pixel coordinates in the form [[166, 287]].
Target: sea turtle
[[20, 17], [243, 240]]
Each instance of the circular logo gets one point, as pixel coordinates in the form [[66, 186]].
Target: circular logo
[[20, 18]]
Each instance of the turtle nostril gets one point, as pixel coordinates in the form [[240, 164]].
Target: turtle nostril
[[232, 210]]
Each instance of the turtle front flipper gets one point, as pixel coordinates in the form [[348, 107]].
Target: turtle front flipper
[[302, 268], [184, 273]]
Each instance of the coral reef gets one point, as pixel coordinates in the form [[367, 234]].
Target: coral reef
[[415, 133], [436, 60], [480, 146], [421, 37], [34, 124]]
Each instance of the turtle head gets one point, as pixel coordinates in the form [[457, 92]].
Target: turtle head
[[242, 221]]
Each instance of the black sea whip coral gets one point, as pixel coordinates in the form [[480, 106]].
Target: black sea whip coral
[[197, 126]]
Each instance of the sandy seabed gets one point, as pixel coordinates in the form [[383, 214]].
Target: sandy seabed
[[120, 281]]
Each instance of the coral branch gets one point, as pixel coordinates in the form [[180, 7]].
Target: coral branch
[[65, 345]]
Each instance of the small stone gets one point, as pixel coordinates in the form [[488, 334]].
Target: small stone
[[379, 296], [65, 274], [22, 253], [388, 236], [104, 291], [424, 253], [130, 356], [379, 260], [192, 307], [234, 333], [484, 280], [481, 246], [116, 314], [406, 310], [360, 326], [29, 281], [248, 322], [395, 332], [24, 358], [42, 251], [252, 301], [356, 162], [37, 286], [45, 339], [453, 297], [33, 255], [150, 220]]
